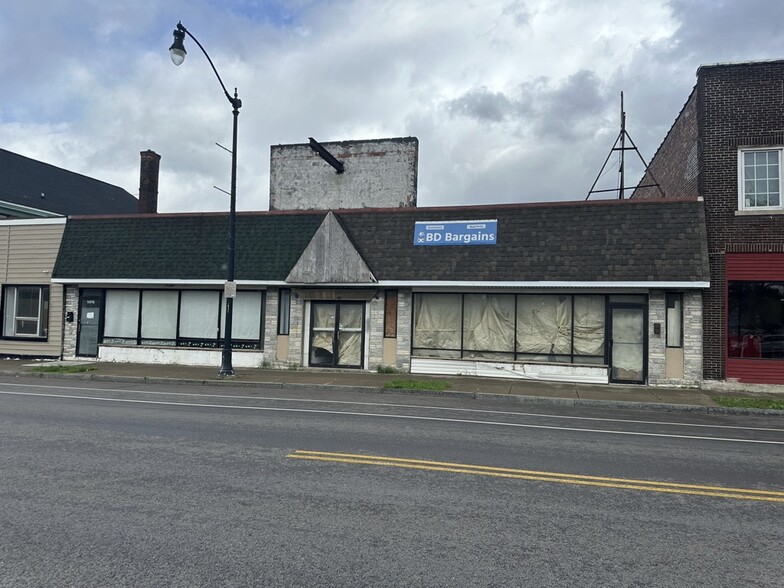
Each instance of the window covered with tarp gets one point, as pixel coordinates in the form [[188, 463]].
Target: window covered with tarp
[[566, 328], [489, 326], [183, 318]]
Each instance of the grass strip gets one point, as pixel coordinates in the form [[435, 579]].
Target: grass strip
[[417, 384], [735, 402], [63, 369]]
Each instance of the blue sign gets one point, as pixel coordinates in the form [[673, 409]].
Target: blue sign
[[479, 232]]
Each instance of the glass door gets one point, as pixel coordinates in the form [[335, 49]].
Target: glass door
[[627, 344], [89, 325], [336, 334], [349, 335]]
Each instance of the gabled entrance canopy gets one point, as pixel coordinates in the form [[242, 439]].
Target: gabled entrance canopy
[[330, 258]]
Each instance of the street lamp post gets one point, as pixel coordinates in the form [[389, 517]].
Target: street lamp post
[[177, 53]]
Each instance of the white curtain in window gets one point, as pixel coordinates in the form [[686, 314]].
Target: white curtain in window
[[488, 322], [159, 314], [544, 324], [674, 321], [437, 321], [245, 316], [121, 319], [589, 317], [199, 314], [10, 312]]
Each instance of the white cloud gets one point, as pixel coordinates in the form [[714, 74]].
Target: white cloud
[[511, 101]]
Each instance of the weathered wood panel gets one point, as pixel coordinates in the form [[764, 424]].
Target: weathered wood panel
[[330, 258]]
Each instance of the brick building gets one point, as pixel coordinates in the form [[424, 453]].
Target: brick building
[[726, 147]]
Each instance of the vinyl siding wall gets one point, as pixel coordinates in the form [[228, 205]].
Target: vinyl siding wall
[[28, 250]]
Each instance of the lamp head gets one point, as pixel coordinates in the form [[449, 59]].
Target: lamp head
[[177, 51]]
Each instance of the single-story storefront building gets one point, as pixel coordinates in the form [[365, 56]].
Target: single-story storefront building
[[573, 291]]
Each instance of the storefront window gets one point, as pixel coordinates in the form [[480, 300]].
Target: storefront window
[[589, 317], [159, 317], [489, 326], [199, 314], [755, 320], [563, 328], [437, 325], [185, 318], [544, 327], [246, 316], [121, 325]]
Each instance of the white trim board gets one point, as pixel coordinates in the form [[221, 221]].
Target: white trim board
[[60, 220], [148, 282], [658, 285]]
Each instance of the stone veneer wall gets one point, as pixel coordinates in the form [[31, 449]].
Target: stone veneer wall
[[692, 336], [70, 329], [656, 343], [375, 332], [692, 339], [296, 324], [270, 325], [404, 310]]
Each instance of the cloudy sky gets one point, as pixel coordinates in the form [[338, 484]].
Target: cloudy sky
[[512, 100]]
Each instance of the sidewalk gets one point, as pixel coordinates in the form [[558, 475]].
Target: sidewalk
[[612, 395]]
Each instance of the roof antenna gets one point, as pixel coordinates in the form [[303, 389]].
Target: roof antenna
[[621, 139]]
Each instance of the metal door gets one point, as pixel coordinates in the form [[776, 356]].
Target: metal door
[[89, 325], [337, 334], [627, 344]]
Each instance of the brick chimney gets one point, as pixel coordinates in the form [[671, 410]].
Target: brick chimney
[[148, 182]]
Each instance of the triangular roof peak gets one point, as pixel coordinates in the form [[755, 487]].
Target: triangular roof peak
[[331, 258]]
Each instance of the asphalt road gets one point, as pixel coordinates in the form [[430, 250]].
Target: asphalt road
[[130, 485]]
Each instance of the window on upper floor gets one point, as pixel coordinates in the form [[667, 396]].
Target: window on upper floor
[[759, 172]]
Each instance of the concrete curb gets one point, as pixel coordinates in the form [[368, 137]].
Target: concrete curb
[[513, 398]]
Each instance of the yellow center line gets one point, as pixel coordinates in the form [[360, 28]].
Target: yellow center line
[[541, 476]]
